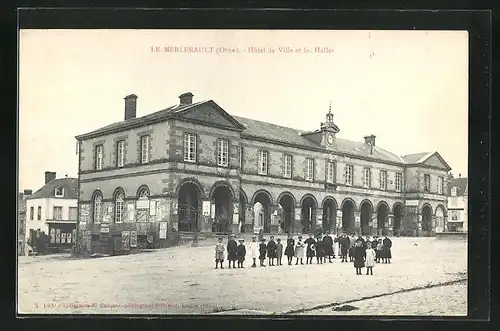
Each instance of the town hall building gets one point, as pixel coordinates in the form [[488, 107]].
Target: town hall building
[[193, 167]]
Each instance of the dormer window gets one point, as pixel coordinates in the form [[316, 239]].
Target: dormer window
[[59, 192], [453, 191]]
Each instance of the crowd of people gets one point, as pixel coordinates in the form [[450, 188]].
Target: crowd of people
[[362, 251]]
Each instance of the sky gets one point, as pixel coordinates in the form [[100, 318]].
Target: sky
[[409, 88]]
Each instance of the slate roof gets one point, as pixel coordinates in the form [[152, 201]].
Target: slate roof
[[268, 131], [460, 184], [70, 186]]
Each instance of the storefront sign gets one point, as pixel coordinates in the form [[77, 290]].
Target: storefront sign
[[206, 208], [85, 210], [142, 204], [163, 234], [236, 218], [152, 208], [104, 229], [83, 225], [236, 208], [411, 202], [163, 225]]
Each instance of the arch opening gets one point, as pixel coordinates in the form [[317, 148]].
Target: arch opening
[[262, 215], [329, 215], [426, 220], [366, 217], [223, 200], [398, 217], [348, 224], [308, 215], [382, 219], [188, 207], [286, 204]]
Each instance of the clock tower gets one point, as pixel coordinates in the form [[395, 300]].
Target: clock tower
[[328, 130]]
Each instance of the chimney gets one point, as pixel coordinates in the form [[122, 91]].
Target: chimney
[[49, 175], [459, 175], [28, 192], [130, 106], [370, 140], [186, 98]]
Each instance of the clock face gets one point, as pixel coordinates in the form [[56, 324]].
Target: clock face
[[330, 139]]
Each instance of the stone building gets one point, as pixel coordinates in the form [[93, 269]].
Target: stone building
[[193, 167], [21, 221], [457, 204]]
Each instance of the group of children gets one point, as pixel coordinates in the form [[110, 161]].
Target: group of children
[[362, 251]]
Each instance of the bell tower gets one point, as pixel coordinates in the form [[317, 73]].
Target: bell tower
[[329, 129]]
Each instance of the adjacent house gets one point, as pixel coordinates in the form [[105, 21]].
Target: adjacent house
[[21, 225], [53, 209], [457, 204]]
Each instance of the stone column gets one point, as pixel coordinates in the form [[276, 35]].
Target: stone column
[[389, 225], [235, 218], [338, 229], [249, 218], [357, 222], [319, 221], [419, 226], [297, 223]]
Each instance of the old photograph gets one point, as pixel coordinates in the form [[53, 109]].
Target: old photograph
[[243, 172]]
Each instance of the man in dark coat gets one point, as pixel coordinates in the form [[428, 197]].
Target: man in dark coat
[[387, 249], [271, 250], [232, 251], [359, 256], [262, 252], [328, 246], [320, 252], [344, 246], [311, 249], [290, 249]]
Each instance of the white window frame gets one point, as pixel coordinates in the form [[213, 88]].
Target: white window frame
[[97, 208], [348, 170], [240, 156], [120, 153], [427, 188], [263, 162], [144, 149], [440, 183], [59, 195], [330, 172], [59, 208], [367, 177], [398, 181], [223, 153], [383, 180], [32, 213], [98, 157], [119, 206], [39, 213], [287, 166], [189, 147], [455, 215], [310, 169]]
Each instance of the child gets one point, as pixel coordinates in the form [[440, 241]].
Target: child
[[358, 255], [262, 251], [231, 251], [352, 241], [311, 249], [271, 251], [279, 251], [241, 251], [219, 254], [299, 251], [254, 250], [369, 258], [379, 248], [320, 253], [290, 249]]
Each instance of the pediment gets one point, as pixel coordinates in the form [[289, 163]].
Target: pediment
[[211, 114], [435, 160]]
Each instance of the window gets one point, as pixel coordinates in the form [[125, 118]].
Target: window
[[310, 169], [120, 153], [52, 235], [367, 178], [58, 236], [427, 183], [68, 238], [398, 182], [119, 207], [223, 152], [73, 213], [59, 192], [57, 213], [454, 215], [263, 161], [63, 238], [453, 192], [240, 156], [189, 147], [144, 149], [98, 157], [97, 208], [39, 213], [287, 166], [440, 185], [330, 172], [32, 213], [348, 174], [383, 180]]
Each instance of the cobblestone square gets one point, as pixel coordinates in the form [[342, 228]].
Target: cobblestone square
[[182, 280]]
